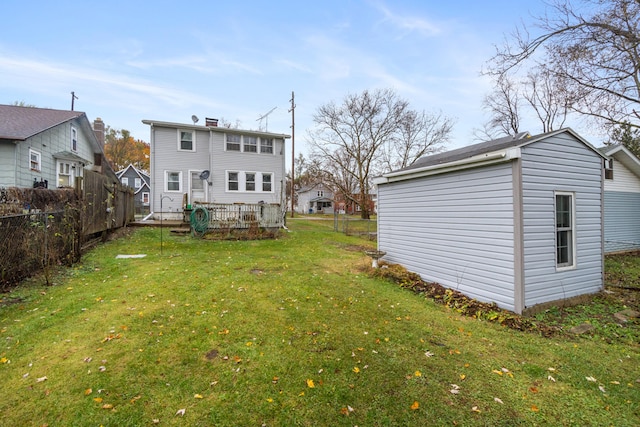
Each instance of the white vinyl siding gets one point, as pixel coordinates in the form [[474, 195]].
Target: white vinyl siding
[[621, 221], [560, 164], [623, 179], [456, 229]]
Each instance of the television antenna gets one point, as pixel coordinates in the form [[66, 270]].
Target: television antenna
[[195, 119], [265, 116]]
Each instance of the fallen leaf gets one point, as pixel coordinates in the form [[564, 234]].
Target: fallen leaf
[[415, 405], [88, 391], [4, 360], [534, 408], [197, 396], [270, 400], [496, 399], [418, 374], [356, 370], [591, 379], [107, 406], [97, 399], [475, 409], [602, 389], [533, 389], [181, 412], [41, 379], [495, 371], [428, 354], [550, 378], [310, 384], [463, 376]]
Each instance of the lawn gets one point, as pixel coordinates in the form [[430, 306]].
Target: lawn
[[286, 332]]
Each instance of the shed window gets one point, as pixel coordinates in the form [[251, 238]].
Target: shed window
[[565, 230]]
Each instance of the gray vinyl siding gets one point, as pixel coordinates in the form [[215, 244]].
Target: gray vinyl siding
[[560, 163], [210, 155], [621, 221], [7, 164], [456, 229]]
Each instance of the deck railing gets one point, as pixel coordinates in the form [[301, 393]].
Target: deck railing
[[241, 215]]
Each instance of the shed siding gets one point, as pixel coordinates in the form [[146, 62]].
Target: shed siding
[[560, 163], [7, 164], [456, 229], [621, 221]]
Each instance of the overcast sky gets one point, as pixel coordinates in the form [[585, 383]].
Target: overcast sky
[[167, 60]]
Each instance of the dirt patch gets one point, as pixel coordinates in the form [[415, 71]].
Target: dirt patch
[[211, 354]]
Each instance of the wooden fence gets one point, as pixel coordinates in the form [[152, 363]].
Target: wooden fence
[[107, 205]]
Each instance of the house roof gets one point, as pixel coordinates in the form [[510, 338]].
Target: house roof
[[623, 155], [497, 150], [19, 123], [143, 175], [220, 129]]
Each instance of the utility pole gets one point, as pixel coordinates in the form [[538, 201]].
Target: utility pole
[[73, 98], [293, 149]]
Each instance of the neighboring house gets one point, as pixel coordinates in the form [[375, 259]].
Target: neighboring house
[[211, 164], [140, 182], [351, 206], [315, 198], [42, 147], [621, 200], [516, 221]]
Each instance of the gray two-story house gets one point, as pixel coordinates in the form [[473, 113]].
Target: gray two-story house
[[43, 147], [138, 180], [193, 164]]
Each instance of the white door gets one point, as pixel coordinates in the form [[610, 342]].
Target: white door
[[198, 188]]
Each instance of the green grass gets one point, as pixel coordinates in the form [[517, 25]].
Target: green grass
[[237, 332]]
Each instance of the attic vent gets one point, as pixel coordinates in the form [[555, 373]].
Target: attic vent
[[211, 122]]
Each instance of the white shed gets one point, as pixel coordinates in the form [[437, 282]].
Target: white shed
[[517, 221]]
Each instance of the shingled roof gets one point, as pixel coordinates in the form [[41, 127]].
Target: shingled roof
[[19, 123]]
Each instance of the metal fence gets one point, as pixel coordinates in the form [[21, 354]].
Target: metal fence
[[351, 226], [34, 242]]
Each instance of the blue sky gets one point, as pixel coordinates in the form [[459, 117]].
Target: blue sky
[[167, 60]]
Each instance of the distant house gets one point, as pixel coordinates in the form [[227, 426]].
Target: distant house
[[350, 206], [140, 182], [42, 147], [192, 164], [315, 198], [516, 221], [621, 200]]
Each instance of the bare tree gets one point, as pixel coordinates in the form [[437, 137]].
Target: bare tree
[[593, 47], [367, 134], [503, 105]]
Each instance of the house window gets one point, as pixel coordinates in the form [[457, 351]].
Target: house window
[[34, 160], [232, 181], [233, 142], [172, 181], [565, 230], [74, 139], [65, 176], [138, 183], [320, 193], [250, 144], [186, 141], [124, 180], [266, 182], [266, 145], [608, 169], [250, 181], [145, 199]]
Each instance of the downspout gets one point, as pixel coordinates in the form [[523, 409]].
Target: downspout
[[518, 238], [152, 168]]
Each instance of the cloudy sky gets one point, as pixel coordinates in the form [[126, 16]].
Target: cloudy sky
[[167, 60]]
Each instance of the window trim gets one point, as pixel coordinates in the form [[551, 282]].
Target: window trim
[[124, 181], [145, 198], [608, 169], [166, 181], [262, 182], [571, 263], [193, 140], [228, 181], [137, 182], [271, 147], [38, 167], [74, 139], [71, 174], [255, 182], [254, 146], [238, 143]]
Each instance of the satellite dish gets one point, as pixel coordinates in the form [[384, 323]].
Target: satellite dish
[[195, 119], [204, 175]]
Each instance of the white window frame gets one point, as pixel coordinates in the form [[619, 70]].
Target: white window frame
[[270, 175], [570, 263], [253, 145], [229, 181], [193, 140], [35, 165], [70, 168], [124, 181], [246, 182], [166, 181], [238, 143], [74, 139], [137, 182], [145, 198], [266, 145]]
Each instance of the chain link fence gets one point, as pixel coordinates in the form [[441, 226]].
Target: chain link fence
[[34, 242]]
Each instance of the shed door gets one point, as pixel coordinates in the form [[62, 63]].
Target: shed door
[[198, 188]]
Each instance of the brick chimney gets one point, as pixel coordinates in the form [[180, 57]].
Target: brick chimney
[[98, 129], [211, 122]]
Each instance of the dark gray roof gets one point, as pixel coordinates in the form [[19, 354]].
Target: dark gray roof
[[471, 150], [20, 123]]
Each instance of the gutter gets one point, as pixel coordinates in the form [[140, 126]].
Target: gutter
[[468, 163]]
